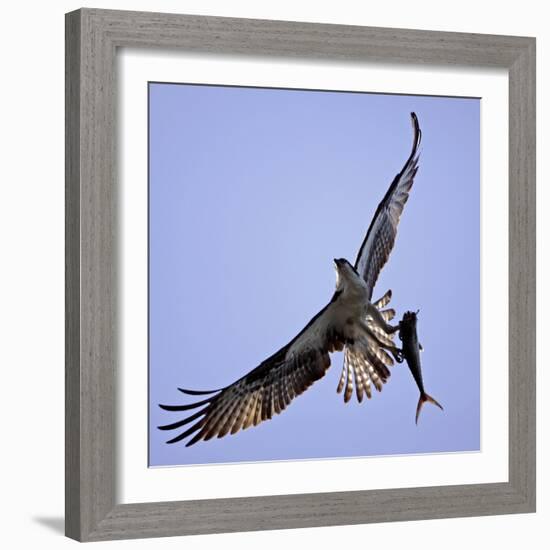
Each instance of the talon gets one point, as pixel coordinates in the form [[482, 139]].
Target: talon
[[392, 329], [397, 355]]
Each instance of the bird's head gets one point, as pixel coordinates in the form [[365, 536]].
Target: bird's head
[[345, 273]]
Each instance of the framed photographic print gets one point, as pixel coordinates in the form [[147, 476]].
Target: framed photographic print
[[300, 275], [268, 208]]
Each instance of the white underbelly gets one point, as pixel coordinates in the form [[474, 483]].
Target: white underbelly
[[353, 307]]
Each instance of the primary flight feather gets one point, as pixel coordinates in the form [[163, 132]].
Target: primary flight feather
[[349, 322]]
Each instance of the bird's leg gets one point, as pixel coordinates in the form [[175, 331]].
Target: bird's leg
[[380, 321], [388, 329], [394, 350]]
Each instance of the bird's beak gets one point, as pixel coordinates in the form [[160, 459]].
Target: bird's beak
[[339, 262]]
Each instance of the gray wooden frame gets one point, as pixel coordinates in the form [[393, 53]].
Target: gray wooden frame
[[92, 39]]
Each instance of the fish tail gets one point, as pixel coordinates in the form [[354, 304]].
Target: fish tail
[[425, 398]]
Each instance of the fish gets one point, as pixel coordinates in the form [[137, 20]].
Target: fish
[[411, 353]]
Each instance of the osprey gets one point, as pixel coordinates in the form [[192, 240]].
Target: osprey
[[349, 322]]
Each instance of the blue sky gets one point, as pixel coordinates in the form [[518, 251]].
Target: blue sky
[[252, 193]]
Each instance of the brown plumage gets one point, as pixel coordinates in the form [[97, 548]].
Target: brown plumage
[[349, 322]]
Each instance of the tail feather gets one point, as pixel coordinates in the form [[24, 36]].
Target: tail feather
[[425, 398], [384, 301]]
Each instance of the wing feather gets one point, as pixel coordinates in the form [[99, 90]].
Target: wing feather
[[266, 390], [380, 238]]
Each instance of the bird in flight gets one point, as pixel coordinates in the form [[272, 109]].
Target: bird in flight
[[350, 322]]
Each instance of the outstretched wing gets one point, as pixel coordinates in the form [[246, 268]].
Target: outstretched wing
[[266, 390], [380, 238]]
